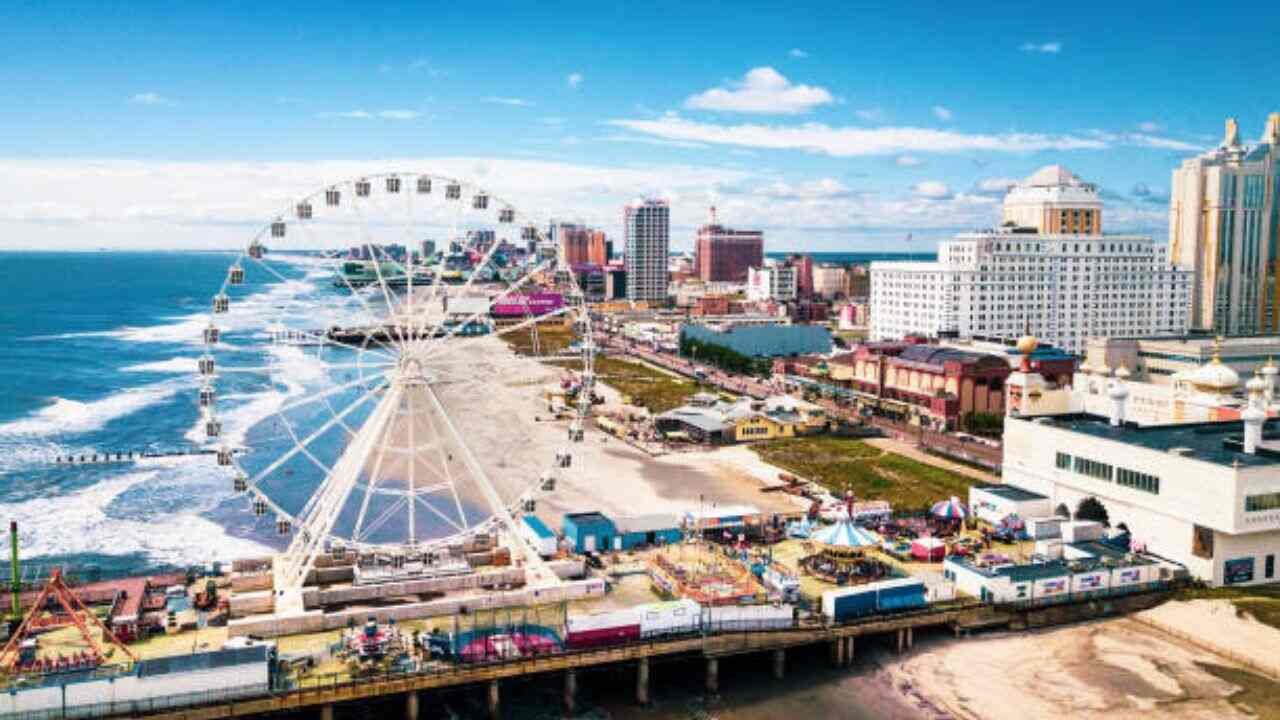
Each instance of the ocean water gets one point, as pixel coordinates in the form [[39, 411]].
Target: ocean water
[[99, 355]]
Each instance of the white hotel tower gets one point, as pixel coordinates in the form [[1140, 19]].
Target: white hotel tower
[[1048, 267]]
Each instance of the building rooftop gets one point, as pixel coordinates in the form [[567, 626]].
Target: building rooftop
[[538, 527], [1010, 492], [1215, 442]]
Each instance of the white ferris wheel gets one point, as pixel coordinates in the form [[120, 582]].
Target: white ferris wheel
[[407, 324]]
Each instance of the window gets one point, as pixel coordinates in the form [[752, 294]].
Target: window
[[1093, 469], [1259, 503], [1138, 481], [1269, 569], [1064, 461]]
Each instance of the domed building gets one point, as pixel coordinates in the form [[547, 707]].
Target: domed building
[[1053, 200]]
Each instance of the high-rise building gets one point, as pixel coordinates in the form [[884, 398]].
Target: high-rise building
[[580, 245], [724, 254], [1065, 287], [1224, 224], [647, 236], [1053, 201], [829, 280], [774, 281], [803, 265]]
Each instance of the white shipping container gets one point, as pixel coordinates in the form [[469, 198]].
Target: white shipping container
[[602, 620], [1050, 587], [748, 617], [1081, 531], [1134, 575], [665, 618], [1092, 581], [1051, 549], [1044, 528]]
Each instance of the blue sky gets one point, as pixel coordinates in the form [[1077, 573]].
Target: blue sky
[[832, 125]]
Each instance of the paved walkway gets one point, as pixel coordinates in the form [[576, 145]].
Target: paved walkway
[[915, 453]]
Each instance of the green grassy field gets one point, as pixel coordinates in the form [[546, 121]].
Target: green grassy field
[[842, 464], [647, 387], [1258, 695], [552, 339]]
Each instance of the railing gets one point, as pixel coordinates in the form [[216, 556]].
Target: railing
[[143, 707], [718, 637]]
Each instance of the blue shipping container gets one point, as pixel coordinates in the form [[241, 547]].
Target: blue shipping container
[[841, 605], [900, 595]]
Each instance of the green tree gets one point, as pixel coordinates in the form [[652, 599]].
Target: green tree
[[1091, 508]]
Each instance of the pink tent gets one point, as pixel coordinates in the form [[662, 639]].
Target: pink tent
[[928, 549]]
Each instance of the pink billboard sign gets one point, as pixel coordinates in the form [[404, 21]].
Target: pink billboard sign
[[527, 304]]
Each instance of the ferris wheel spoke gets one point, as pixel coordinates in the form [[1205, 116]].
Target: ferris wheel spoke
[[329, 392], [463, 342], [322, 338], [377, 262], [300, 445], [413, 464], [417, 498], [336, 267], [444, 462], [382, 518], [496, 506], [373, 481], [474, 316]]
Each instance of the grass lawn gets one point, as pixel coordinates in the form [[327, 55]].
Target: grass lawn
[[1258, 695], [1261, 602], [553, 338], [842, 464], [646, 387]]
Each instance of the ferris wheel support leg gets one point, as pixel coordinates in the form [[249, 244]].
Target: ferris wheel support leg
[[292, 567]]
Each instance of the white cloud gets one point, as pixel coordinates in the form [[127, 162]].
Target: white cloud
[[644, 140], [1047, 48], [1150, 126], [941, 113], [854, 141], [874, 114], [994, 185], [764, 91], [513, 101], [798, 53], [398, 114], [908, 161], [424, 65], [932, 189], [574, 80], [350, 114], [150, 98], [220, 204], [1161, 143], [823, 188]]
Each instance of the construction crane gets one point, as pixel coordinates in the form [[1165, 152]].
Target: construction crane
[[12, 658]]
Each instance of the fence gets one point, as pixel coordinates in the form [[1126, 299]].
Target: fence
[[140, 707]]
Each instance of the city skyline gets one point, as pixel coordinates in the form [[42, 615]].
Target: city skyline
[[832, 129]]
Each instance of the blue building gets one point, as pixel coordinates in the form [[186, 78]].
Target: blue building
[[589, 531], [658, 529], [765, 340]]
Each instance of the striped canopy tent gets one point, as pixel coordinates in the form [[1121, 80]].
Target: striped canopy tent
[[845, 540], [951, 509]]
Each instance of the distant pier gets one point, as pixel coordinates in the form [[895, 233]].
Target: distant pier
[[126, 456]]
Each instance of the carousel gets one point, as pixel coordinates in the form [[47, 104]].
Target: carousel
[[842, 555]]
